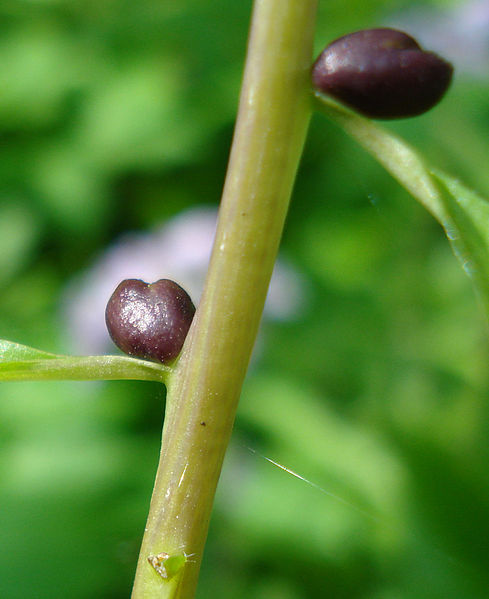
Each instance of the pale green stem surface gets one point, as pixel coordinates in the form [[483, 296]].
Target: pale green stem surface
[[203, 391]]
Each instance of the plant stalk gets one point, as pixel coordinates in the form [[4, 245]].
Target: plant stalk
[[203, 391]]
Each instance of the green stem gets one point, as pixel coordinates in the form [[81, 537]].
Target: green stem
[[204, 390]]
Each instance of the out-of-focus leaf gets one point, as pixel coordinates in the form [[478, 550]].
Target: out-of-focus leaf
[[22, 363], [134, 118], [463, 214], [19, 232], [40, 66]]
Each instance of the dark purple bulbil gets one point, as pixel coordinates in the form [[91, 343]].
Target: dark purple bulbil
[[149, 321], [382, 73]]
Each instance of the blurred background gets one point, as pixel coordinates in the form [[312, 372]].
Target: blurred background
[[370, 376]]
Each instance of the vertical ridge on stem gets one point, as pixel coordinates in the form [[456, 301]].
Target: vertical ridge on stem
[[273, 116]]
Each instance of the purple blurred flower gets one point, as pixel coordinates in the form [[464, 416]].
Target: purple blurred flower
[[459, 33], [179, 250]]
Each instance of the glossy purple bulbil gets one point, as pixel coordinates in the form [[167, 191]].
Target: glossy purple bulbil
[[382, 73], [149, 321]]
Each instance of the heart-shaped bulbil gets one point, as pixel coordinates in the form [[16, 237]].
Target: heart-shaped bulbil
[[382, 73], [149, 321]]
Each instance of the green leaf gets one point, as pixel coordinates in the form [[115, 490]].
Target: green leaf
[[10, 351], [463, 214], [470, 233], [22, 363], [401, 160]]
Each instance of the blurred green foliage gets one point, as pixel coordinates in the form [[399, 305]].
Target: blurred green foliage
[[115, 116]]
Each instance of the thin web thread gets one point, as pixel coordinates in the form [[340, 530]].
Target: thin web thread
[[316, 486], [384, 521]]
